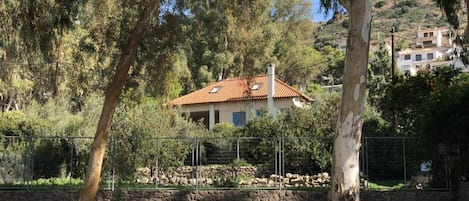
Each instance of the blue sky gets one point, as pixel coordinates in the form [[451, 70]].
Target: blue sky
[[319, 16]]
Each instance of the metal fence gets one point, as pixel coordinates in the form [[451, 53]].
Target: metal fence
[[200, 163]]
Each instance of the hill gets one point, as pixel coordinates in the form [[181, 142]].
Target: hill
[[406, 15]]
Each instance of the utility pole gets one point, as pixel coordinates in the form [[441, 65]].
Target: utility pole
[[393, 56]]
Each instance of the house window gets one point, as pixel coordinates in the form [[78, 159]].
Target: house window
[[256, 86], [239, 118], [258, 113], [407, 57], [425, 34], [418, 57], [430, 34], [215, 89], [429, 56]]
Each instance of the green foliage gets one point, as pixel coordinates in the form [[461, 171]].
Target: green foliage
[[223, 129], [402, 44], [379, 75], [11, 123], [240, 163], [374, 125], [380, 4], [425, 106], [137, 125], [335, 65], [308, 135], [386, 185], [52, 158]]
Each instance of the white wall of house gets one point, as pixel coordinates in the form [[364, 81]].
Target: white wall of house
[[226, 109], [414, 59], [439, 37]]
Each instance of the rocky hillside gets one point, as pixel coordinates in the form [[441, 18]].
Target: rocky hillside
[[405, 15]]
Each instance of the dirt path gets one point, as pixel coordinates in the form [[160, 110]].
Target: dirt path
[[463, 191]]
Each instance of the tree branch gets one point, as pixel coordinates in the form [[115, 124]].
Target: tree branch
[[346, 4]]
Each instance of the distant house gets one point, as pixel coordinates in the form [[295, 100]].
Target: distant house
[[237, 100], [433, 48]]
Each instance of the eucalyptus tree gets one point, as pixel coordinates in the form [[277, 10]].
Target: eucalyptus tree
[[45, 24], [232, 38], [15, 79], [453, 9], [345, 182], [126, 60], [298, 62], [226, 37]]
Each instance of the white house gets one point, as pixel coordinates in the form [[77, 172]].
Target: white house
[[237, 100], [433, 48]]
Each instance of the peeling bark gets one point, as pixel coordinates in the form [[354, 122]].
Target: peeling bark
[[98, 148], [345, 168]]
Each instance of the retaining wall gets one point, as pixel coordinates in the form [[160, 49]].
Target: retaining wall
[[219, 195]]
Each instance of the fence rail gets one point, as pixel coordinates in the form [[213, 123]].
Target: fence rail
[[200, 163]]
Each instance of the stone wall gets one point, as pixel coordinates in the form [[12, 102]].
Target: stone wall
[[210, 176], [217, 195]]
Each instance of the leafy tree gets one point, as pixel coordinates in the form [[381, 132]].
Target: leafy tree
[[98, 148], [335, 65], [241, 38], [452, 9], [448, 114], [402, 44], [345, 183], [379, 75]]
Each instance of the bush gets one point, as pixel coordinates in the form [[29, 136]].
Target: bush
[[308, 136], [380, 4], [11, 123]]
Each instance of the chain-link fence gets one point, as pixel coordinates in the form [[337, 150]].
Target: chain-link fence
[[203, 163]]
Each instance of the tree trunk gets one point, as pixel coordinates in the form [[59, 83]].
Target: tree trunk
[[466, 31], [98, 148], [345, 183], [59, 62]]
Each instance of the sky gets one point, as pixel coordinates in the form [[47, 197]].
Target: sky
[[319, 16]]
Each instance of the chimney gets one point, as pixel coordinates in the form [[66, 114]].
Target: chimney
[[271, 89]]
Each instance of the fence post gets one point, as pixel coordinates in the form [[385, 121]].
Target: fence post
[[403, 154], [237, 148], [197, 147], [366, 158], [282, 156], [113, 182], [30, 151], [71, 158], [157, 178]]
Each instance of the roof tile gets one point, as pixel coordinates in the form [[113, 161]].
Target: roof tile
[[236, 89]]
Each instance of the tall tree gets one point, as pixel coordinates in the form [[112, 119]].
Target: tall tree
[[345, 183], [98, 148], [232, 38], [57, 18], [452, 9], [379, 74]]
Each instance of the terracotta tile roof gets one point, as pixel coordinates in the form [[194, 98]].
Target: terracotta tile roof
[[235, 89]]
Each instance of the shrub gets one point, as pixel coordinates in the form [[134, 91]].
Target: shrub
[[379, 4]]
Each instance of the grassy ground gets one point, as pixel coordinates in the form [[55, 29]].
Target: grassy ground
[[386, 185], [67, 183]]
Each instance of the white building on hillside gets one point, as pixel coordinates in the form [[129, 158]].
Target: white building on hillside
[[433, 48]]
